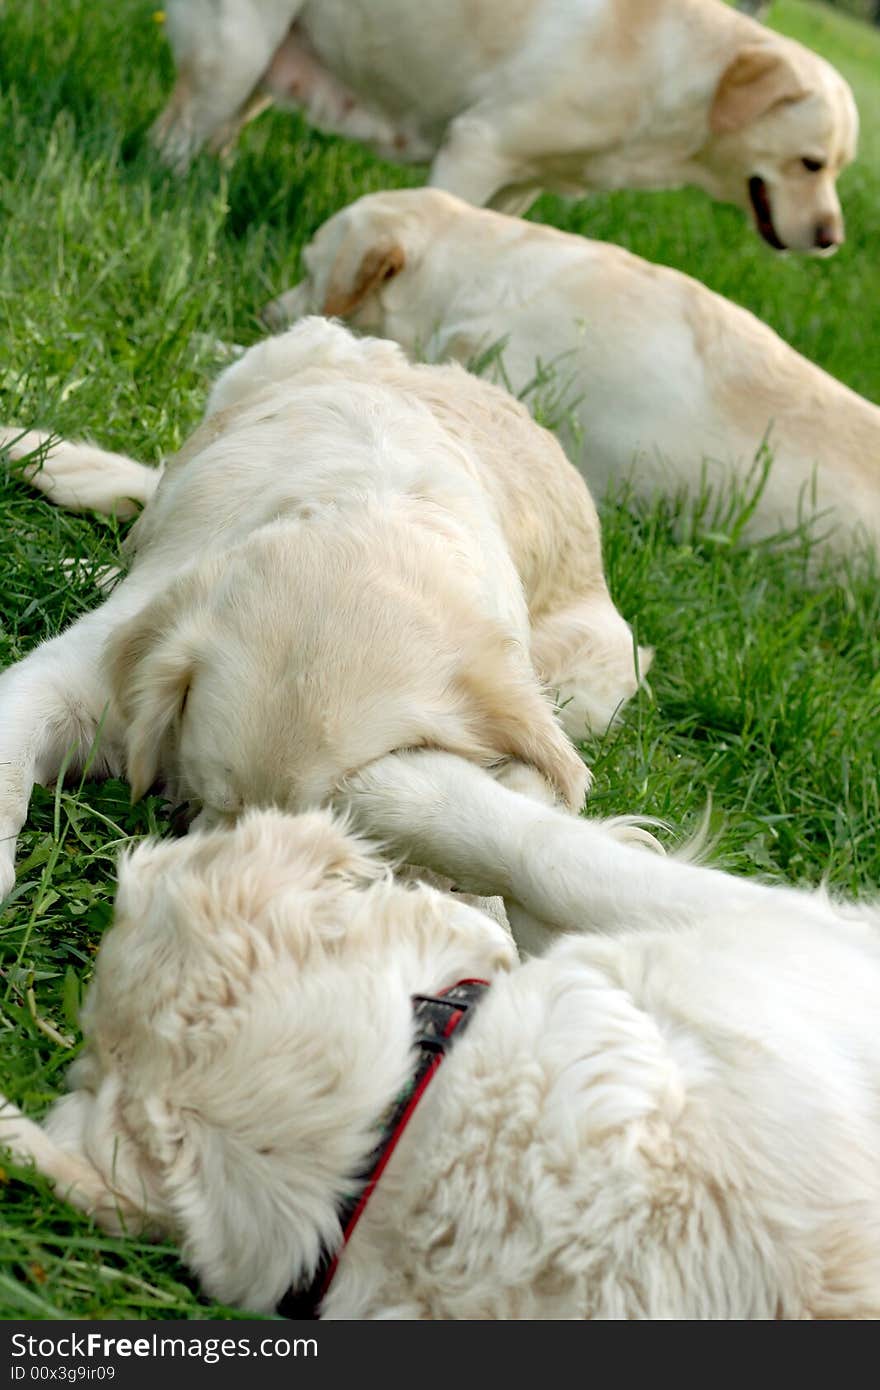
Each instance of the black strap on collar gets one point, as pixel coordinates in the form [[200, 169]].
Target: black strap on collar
[[438, 1018]]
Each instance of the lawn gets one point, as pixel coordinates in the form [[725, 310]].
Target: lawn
[[114, 280]]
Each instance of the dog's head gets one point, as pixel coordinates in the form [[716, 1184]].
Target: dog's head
[[248, 1021], [313, 648], [783, 125], [365, 260]]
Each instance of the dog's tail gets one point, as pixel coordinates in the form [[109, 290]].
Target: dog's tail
[[81, 477], [450, 815], [560, 872]]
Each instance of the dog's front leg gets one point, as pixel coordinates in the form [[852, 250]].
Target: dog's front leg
[[470, 164], [61, 1158], [75, 1177], [51, 704]]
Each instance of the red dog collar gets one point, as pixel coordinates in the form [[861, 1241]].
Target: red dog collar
[[438, 1018]]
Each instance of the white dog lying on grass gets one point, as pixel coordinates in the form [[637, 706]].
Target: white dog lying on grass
[[674, 1116], [350, 556], [671, 385]]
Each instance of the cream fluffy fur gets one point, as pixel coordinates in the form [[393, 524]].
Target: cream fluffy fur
[[350, 556], [677, 1116], [669, 382], [510, 96]]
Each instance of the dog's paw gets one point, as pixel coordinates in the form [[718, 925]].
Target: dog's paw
[[527, 781], [14, 1130], [173, 140]]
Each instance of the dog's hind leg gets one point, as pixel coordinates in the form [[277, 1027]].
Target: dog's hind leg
[[81, 477], [297, 77], [51, 705]]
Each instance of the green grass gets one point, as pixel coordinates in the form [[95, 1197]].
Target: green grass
[[765, 688]]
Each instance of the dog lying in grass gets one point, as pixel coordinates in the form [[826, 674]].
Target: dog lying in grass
[[350, 556], [671, 385], [673, 1114], [590, 94]]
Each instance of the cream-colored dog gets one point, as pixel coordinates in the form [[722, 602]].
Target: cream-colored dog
[[507, 99], [676, 1115], [351, 555], [672, 385]]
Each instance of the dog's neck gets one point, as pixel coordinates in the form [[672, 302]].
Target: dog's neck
[[439, 1020], [393, 1050]]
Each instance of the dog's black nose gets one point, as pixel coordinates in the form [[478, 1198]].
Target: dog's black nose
[[827, 235]]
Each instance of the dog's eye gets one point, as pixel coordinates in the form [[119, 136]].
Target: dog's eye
[[812, 166]]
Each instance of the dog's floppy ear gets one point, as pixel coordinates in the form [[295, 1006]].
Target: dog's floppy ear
[[758, 79], [150, 663], [239, 1228], [356, 273]]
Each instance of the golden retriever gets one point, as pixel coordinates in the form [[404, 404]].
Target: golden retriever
[[508, 98], [671, 385], [674, 1114], [351, 555]]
